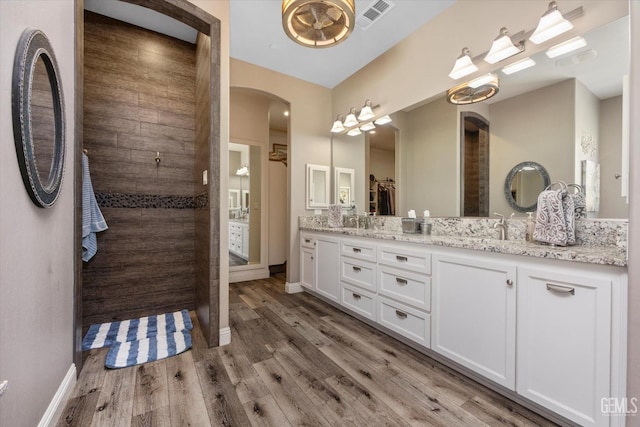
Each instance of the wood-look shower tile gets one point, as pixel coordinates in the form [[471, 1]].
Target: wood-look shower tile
[[152, 144], [109, 94], [184, 121], [167, 132], [166, 104], [99, 137], [131, 127]]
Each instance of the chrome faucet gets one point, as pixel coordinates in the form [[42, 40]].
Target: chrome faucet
[[501, 225]]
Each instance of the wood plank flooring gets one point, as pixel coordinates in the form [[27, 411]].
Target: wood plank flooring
[[293, 360]]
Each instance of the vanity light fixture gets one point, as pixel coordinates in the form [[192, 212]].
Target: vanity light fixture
[[502, 48], [318, 23], [551, 24], [351, 119], [243, 171], [383, 120], [464, 65], [367, 126], [354, 132], [337, 125], [482, 80], [566, 47], [367, 112], [520, 65]]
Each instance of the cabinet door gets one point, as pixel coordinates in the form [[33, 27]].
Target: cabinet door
[[245, 241], [564, 342], [307, 267], [328, 268], [473, 315]]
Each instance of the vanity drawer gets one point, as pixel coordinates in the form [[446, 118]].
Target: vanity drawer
[[405, 258], [307, 241], [362, 302], [407, 321], [358, 272], [405, 286], [359, 249]]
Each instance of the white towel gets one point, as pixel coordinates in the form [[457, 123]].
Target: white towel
[[92, 219]]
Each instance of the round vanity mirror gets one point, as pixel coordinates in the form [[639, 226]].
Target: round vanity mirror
[[38, 118], [523, 185]]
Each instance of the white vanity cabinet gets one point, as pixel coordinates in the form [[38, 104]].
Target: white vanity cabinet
[[327, 267], [565, 339], [474, 315], [239, 239], [307, 260]]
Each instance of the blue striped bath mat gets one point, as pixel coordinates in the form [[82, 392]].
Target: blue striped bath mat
[[107, 334], [123, 354]]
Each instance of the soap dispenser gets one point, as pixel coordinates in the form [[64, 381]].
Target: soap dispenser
[[531, 225]]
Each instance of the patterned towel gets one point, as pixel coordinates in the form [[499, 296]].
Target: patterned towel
[[108, 334], [123, 354], [555, 218]]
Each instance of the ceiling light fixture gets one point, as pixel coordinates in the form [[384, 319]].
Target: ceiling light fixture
[[551, 24], [502, 48], [566, 47], [464, 65], [520, 65], [318, 23], [477, 90]]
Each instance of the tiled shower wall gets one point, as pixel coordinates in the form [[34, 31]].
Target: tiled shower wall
[[139, 100]]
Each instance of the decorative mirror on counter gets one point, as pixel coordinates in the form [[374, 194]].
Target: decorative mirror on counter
[[523, 185], [38, 117]]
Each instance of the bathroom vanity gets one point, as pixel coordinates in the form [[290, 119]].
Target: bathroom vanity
[[239, 238], [545, 326]]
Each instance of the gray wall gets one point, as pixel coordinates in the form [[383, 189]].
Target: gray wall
[[612, 205], [36, 245]]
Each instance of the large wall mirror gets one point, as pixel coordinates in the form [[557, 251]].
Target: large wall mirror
[[245, 201], [38, 118], [557, 114]]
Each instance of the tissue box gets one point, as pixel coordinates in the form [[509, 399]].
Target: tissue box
[[410, 226]]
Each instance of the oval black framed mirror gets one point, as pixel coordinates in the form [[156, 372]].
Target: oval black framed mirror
[[523, 185], [38, 117]]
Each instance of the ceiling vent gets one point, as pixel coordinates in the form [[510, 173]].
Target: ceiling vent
[[373, 13]]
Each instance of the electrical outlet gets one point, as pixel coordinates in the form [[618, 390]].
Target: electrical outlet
[[205, 179]]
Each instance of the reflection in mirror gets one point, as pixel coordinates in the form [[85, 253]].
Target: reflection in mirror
[[344, 186], [244, 204], [42, 122], [558, 113], [317, 186], [523, 185]]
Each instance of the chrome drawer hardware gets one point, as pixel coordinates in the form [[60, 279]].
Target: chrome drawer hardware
[[401, 314], [356, 296], [509, 282], [401, 281], [401, 258], [307, 240], [356, 269], [357, 250], [561, 289]]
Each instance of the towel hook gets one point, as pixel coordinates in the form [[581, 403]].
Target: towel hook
[[157, 158]]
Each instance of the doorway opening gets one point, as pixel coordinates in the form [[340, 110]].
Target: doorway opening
[[474, 162]]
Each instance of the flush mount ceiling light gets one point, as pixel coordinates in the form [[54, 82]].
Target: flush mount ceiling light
[[318, 23], [477, 90], [464, 65], [566, 47], [337, 125], [502, 48], [551, 25], [520, 65]]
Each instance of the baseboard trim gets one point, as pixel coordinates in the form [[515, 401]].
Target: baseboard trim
[[293, 288], [225, 336], [236, 276], [57, 404]]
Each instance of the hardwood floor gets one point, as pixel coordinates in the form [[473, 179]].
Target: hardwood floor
[[293, 360]]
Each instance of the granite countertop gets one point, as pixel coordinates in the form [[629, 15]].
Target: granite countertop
[[605, 255]]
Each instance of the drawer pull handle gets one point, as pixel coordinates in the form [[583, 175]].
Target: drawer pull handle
[[357, 250], [401, 258], [401, 314], [401, 281], [356, 269], [356, 296], [307, 240], [509, 282], [561, 289]]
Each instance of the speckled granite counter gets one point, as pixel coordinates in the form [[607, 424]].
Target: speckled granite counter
[[600, 241]]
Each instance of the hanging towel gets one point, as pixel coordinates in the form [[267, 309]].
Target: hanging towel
[[92, 219], [555, 221]]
